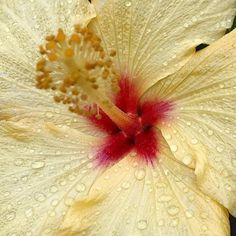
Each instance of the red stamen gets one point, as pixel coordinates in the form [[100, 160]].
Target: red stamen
[[141, 137]]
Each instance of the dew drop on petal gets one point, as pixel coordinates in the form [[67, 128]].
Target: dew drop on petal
[[173, 210], [175, 222], [164, 198], [40, 197], [174, 148], [220, 148], [29, 212], [125, 185], [189, 213], [187, 160], [142, 224], [210, 132], [10, 216], [140, 174], [38, 164], [128, 4], [160, 222], [80, 187]]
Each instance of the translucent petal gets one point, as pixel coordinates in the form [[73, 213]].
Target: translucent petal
[[155, 38], [132, 200], [43, 169], [202, 131]]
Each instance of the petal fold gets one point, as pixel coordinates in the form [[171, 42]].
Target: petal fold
[[202, 131], [156, 38]]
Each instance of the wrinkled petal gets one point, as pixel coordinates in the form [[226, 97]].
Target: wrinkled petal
[[155, 38], [202, 131], [132, 200], [23, 26], [42, 172]]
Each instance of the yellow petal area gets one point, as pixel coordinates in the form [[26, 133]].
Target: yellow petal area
[[20, 35], [131, 200], [202, 132], [155, 38], [43, 169]]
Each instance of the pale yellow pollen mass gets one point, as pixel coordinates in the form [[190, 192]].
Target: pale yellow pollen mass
[[76, 69]]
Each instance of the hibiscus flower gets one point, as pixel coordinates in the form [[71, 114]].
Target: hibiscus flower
[[123, 129]]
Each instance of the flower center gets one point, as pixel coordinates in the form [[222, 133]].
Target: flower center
[[81, 74]]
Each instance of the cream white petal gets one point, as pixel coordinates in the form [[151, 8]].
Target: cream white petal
[[202, 131], [43, 169], [155, 38], [129, 199]]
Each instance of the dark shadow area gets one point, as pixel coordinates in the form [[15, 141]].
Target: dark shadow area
[[233, 225]]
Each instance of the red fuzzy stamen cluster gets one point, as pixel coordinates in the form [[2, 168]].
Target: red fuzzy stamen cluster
[[141, 137]]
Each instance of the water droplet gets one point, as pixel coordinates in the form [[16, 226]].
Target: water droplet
[[174, 148], [228, 187], [160, 222], [140, 174], [187, 160], [142, 224], [53, 189], [168, 137], [128, 4], [125, 185], [19, 162], [54, 202], [210, 132], [39, 197], [189, 213], [80, 187], [49, 115], [69, 201], [194, 141], [204, 228], [29, 212], [173, 210], [10, 216], [220, 148], [174, 222], [164, 198], [38, 164]]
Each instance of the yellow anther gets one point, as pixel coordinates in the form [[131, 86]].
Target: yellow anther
[[105, 74], [102, 55], [77, 28], [51, 45], [95, 86], [75, 91], [75, 68], [84, 97], [40, 65], [69, 52], [90, 66], [42, 50], [108, 63], [60, 36], [52, 56], [75, 38], [50, 37], [113, 53]]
